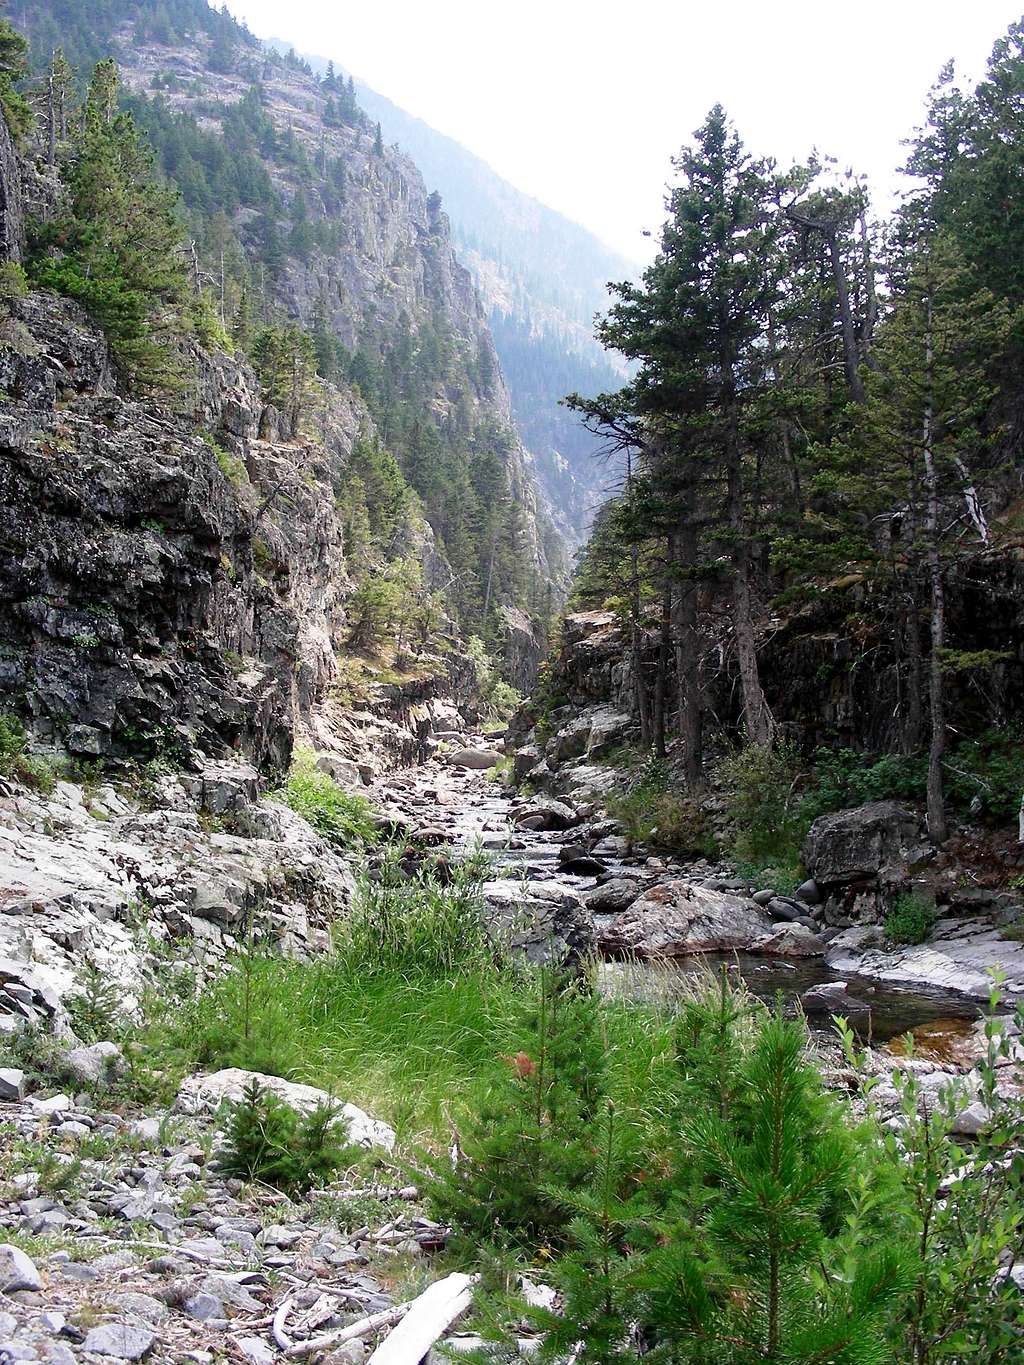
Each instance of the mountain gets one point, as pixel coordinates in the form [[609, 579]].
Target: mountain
[[544, 279], [328, 497]]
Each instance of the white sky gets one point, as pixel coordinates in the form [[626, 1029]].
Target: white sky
[[583, 102]]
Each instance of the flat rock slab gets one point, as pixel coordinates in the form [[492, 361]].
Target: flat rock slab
[[958, 962], [676, 918], [200, 1093], [122, 1340]]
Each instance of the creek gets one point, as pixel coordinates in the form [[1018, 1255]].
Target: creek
[[463, 810]]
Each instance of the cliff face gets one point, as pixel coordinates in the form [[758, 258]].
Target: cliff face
[[388, 282], [12, 224]]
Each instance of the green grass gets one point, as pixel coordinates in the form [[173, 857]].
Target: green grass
[[342, 819], [411, 1017]]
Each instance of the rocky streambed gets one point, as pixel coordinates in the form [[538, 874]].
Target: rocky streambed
[[564, 877]]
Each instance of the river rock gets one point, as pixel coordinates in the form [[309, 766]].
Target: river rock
[[199, 1093], [832, 997], [474, 758], [613, 896], [860, 844], [809, 892], [676, 918], [544, 814], [790, 940]]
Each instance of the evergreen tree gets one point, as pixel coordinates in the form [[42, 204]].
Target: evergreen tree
[[120, 250]]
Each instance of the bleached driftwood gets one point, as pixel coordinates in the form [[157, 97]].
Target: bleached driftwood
[[428, 1318], [355, 1331]]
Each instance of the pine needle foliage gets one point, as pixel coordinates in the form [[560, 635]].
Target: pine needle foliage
[[268, 1141], [529, 1148]]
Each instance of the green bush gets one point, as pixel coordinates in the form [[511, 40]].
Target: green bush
[[342, 819], [267, 1140], [911, 919], [528, 1146], [760, 783], [16, 762]]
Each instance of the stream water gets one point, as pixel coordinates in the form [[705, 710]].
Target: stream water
[[474, 812]]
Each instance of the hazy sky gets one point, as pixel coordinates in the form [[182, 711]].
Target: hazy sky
[[583, 102]]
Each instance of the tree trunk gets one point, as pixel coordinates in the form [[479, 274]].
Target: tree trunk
[[850, 356], [51, 123], [913, 716], [664, 653], [688, 680], [937, 827]]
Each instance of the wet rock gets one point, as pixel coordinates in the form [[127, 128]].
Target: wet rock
[[583, 865], [676, 918], [833, 997], [17, 1271], [199, 1093]]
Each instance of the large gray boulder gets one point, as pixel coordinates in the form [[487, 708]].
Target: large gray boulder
[[474, 759], [863, 844], [677, 918], [206, 1093]]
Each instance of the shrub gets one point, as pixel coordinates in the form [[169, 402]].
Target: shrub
[[95, 1007], [760, 781], [16, 762], [267, 1140], [13, 282], [342, 819], [911, 919]]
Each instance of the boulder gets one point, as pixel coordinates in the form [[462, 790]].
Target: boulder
[[474, 759], [524, 761], [207, 1093], [97, 1064], [860, 844], [676, 918], [613, 896], [341, 770], [545, 814], [791, 940], [12, 1083], [17, 1270]]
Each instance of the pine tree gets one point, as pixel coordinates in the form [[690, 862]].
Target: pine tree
[[13, 66], [120, 251]]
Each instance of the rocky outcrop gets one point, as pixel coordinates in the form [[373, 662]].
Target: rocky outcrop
[[12, 222], [88, 881]]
